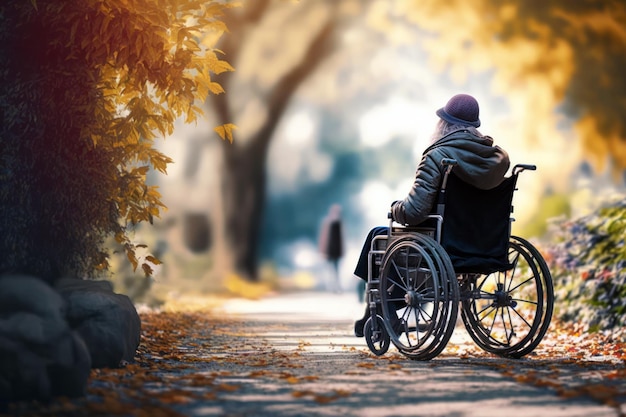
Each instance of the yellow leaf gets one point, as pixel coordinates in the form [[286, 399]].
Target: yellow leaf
[[368, 365], [130, 254], [227, 387], [147, 269], [226, 131], [220, 66], [153, 260], [215, 88], [300, 394], [322, 399]]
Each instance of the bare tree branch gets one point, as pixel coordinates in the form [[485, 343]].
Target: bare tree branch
[[320, 47], [239, 23]]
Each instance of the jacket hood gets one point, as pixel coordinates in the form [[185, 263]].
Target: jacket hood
[[479, 163]]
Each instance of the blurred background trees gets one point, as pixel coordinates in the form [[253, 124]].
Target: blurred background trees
[[352, 129], [334, 102]]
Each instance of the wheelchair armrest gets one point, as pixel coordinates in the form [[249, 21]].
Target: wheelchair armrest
[[430, 226], [521, 167]]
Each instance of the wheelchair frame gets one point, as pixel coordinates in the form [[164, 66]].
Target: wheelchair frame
[[506, 312]]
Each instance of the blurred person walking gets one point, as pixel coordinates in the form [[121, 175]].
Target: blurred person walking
[[331, 243]]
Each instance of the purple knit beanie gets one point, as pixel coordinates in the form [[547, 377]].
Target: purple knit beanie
[[461, 109]]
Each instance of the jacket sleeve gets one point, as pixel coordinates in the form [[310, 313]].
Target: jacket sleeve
[[420, 200]]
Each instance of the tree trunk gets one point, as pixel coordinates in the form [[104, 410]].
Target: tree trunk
[[238, 215], [243, 197]]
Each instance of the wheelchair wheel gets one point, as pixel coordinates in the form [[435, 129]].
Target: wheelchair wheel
[[508, 313], [376, 336], [419, 296]]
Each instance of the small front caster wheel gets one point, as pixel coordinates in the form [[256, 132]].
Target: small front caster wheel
[[376, 336]]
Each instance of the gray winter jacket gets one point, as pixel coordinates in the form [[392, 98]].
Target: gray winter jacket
[[479, 163]]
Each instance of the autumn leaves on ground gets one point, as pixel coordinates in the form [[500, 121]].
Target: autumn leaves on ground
[[184, 357], [190, 359]]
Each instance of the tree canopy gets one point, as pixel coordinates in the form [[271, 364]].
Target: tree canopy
[[559, 55]]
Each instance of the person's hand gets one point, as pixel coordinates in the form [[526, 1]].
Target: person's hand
[[397, 212]]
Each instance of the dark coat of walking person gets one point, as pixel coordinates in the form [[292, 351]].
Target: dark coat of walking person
[[331, 242], [479, 163]]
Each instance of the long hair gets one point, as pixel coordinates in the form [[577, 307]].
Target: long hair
[[444, 128]]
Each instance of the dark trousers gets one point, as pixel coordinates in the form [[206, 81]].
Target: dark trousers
[[362, 267]]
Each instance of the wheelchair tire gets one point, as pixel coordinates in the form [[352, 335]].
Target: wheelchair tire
[[376, 336], [508, 312], [418, 281]]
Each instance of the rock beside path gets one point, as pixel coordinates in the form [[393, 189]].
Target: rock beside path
[[107, 322], [40, 355], [50, 338]]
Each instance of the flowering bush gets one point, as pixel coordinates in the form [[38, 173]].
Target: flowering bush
[[588, 265]]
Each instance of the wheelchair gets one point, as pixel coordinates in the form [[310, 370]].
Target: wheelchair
[[463, 257]]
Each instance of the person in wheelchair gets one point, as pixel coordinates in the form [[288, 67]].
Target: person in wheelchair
[[479, 163]]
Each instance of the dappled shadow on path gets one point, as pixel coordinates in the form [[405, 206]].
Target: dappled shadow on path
[[278, 363]]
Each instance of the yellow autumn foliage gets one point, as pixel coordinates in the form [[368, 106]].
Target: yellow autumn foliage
[[110, 77]]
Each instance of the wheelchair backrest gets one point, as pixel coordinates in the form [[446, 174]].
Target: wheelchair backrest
[[477, 225]]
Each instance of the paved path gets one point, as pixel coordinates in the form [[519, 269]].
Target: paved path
[[295, 355], [311, 365]]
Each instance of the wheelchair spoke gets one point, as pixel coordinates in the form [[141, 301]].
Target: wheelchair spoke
[[428, 297], [421, 284], [409, 276], [522, 300], [529, 279], [508, 334], [399, 274], [493, 322], [419, 313], [521, 317], [500, 319], [405, 314], [424, 315], [500, 328], [407, 335], [491, 332], [480, 286], [515, 259], [491, 308], [485, 295]]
